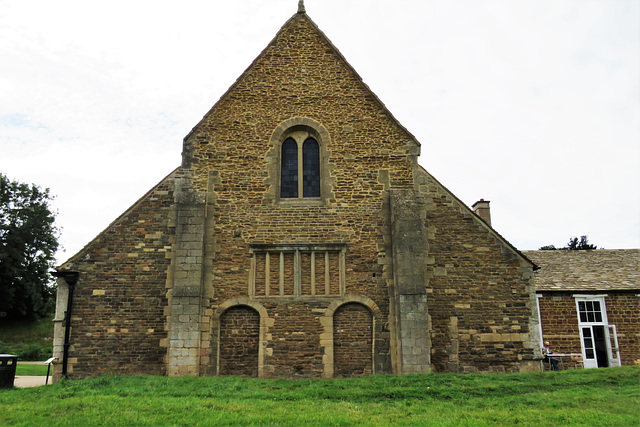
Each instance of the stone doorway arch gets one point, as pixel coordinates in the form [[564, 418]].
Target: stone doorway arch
[[240, 328], [352, 330], [352, 341], [239, 341]]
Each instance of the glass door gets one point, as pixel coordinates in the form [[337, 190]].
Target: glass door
[[588, 347], [599, 339], [612, 345]]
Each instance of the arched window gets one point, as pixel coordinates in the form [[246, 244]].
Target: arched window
[[300, 149], [298, 166]]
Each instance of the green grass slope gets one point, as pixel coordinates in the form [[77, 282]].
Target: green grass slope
[[602, 397]]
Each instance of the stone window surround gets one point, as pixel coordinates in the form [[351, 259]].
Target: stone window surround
[[326, 337], [273, 159], [278, 250]]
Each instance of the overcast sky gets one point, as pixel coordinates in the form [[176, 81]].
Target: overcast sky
[[533, 105]]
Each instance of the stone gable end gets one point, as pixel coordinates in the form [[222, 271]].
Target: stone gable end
[[219, 272]]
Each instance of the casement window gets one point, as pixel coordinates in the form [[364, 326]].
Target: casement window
[[300, 167]]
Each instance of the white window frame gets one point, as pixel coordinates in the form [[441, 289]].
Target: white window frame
[[540, 333], [611, 337]]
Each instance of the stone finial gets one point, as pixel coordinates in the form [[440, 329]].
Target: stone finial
[[301, 6]]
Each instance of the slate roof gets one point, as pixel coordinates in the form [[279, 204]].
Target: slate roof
[[594, 270]]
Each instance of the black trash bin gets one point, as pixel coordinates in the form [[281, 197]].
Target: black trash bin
[[8, 364]]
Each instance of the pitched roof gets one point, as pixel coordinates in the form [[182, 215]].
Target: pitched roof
[[594, 270]]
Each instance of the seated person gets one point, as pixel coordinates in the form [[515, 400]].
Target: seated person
[[547, 351]]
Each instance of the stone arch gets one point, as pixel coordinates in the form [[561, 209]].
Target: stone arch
[[347, 298], [369, 346], [318, 132], [300, 123], [239, 331]]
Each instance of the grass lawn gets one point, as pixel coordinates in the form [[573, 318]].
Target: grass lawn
[[31, 369], [578, 397]]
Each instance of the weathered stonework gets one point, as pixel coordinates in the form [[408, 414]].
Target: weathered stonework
[[185, 292], [409, 296], [213, 273], [118, 321]]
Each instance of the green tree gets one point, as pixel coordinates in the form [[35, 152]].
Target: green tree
[[573, 245], [582, 245], [28, 243]]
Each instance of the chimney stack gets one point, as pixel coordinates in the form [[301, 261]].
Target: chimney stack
[[481, 208]]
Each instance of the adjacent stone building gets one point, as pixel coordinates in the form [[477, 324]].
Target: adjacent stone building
[[589, 304], [299, 238]]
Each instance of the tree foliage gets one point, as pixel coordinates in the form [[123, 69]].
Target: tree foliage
[[28, 243], [573, 245]]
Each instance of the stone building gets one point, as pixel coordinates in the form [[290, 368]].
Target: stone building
[[589, 304], [299, 238]]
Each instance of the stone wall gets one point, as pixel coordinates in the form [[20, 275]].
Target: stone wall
[[352, 341], [560, 322], [118, 315], [623, 310], [299, 82], [481, 295], [340, 283]]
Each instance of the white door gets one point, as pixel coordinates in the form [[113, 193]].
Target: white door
[[599, 339], [612, 344], [588, 347]]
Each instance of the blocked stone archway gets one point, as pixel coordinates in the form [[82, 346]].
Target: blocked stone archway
[[368, 343], [352, 341], [239, 338], [239, 341]]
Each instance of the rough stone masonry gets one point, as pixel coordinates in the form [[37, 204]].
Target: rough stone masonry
[[218, 271]]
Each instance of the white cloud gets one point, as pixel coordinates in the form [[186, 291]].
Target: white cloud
[[534, 105]]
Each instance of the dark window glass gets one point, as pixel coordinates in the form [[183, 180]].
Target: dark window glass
[[289, 169], [310, 168], [590, 311]]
